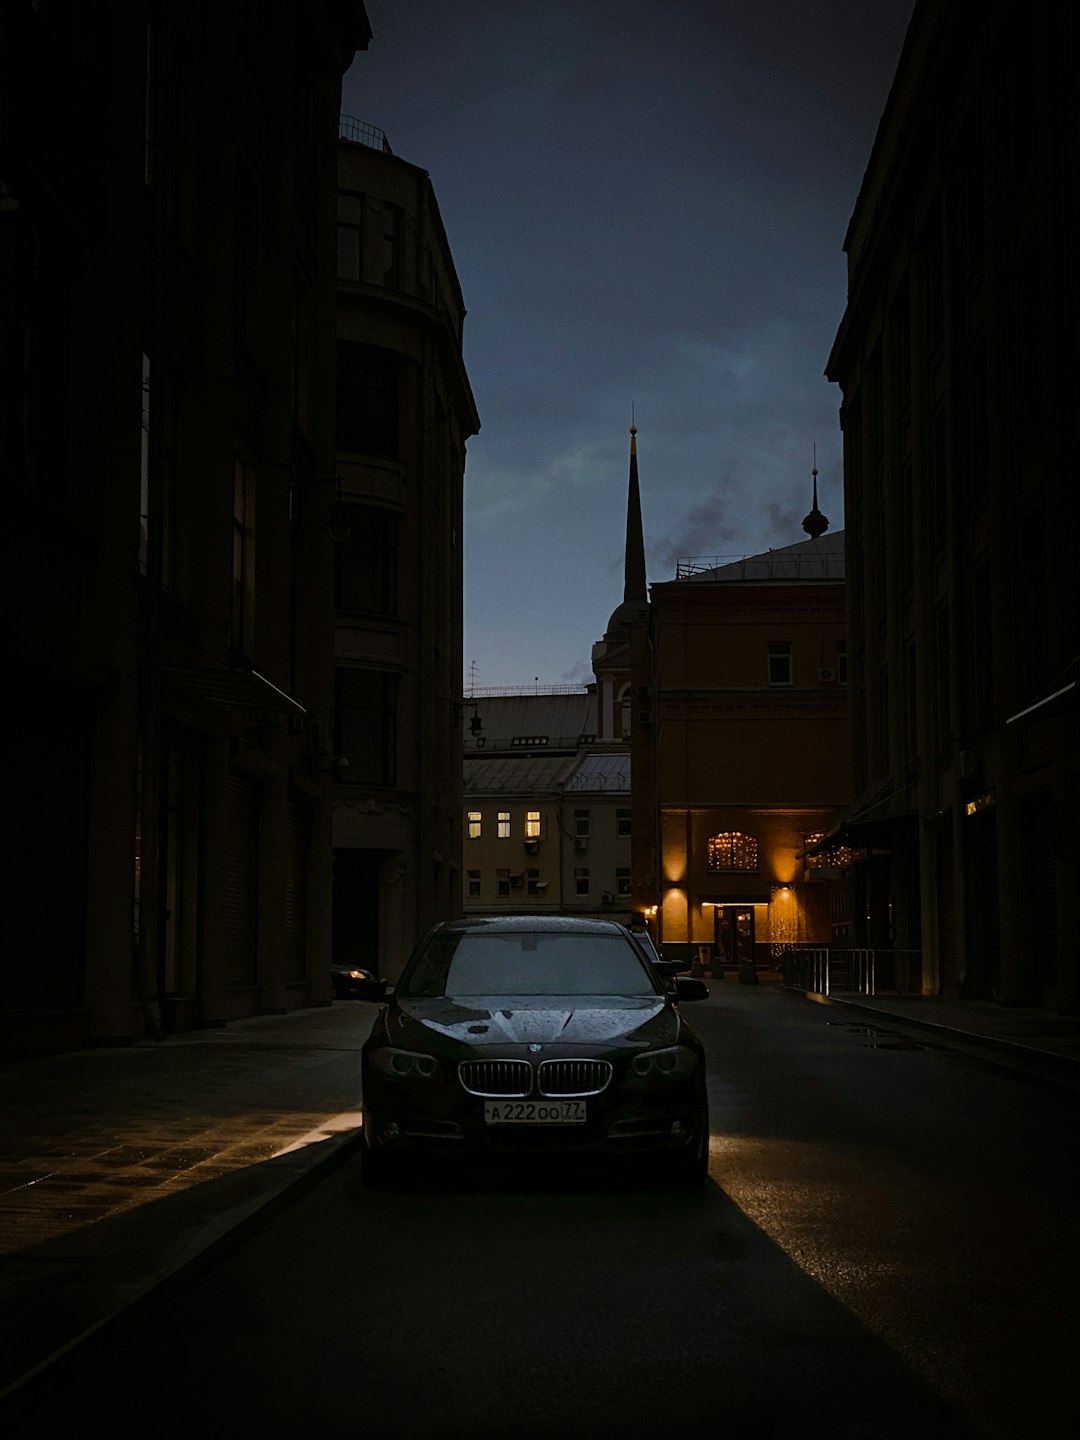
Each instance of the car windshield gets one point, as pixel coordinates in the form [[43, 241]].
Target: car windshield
[[528, 963]]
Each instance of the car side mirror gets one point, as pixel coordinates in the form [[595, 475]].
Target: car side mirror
[[689, 988], [670, 968]]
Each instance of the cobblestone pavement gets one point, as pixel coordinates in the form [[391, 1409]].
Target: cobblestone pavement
[[124, 1170], [120, 1169]]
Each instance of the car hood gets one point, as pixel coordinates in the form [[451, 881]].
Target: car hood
[[476, 1021]]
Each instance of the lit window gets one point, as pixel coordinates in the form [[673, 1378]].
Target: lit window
[[504, 825], [837, 857], [532, 825], [475, 824], [581, 880], [474, 882], [779, 662], [732, 850]]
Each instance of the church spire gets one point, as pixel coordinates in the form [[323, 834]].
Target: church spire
[[815, 524], [634, 585]]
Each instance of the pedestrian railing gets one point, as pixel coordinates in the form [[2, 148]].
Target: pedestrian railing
[[861, 971]]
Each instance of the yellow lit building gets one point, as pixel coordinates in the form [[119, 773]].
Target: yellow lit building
[[739, 748]]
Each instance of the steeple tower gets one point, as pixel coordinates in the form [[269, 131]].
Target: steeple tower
[[635, 602], [634, 585], [611, 656]]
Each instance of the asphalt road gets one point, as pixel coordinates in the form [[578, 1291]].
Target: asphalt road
[[887, 1248]]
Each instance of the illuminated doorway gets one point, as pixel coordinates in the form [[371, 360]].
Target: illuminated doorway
[[734, 936]]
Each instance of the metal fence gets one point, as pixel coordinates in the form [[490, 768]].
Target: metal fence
[[361, 133], [825, 971]]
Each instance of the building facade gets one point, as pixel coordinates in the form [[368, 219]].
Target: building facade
[[958, 370], [547, 808], [739, 752], [404, 413], [167, 353]]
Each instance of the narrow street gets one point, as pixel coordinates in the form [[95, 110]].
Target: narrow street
[[886, 1248]]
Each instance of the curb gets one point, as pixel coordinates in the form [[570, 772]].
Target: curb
[[20, 1394], [1011, 1054]]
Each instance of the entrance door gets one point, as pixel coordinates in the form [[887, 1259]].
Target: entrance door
[[735, 935]]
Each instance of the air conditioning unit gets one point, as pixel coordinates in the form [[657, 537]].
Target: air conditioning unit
[[581, 843], [532, 846], [540, 885], [826, 674]]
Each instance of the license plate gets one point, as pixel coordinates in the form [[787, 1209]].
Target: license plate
[[534, 1112]]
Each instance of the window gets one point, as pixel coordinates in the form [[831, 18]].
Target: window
[[581, 880], [532, 880], [779, 662], [532, 825], [475, 824], [503, 884], [365, 725], [622, 880], [473, 877], [349, 232], [365, 565], [622, 822], [837, 857], [581, 823], [367, 400], [243, 559], [841, 662], [391, 247], [732, 850], [504, 825]]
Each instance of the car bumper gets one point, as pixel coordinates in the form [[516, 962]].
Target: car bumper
[[415, 1117]]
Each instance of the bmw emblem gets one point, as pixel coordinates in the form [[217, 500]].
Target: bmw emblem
[[535, 1049]]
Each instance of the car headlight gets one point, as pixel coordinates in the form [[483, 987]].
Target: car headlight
[[674, 1062], [401, 1064]]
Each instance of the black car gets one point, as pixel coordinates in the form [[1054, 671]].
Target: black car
[[353, 983], [536, 1033]]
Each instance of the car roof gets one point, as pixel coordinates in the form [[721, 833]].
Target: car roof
[[515, 924]]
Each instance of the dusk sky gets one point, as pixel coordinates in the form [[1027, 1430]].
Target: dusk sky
[[646, 205]]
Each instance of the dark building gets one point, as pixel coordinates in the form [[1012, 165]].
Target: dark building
[[404, 413], [167, 451], [957, 361]]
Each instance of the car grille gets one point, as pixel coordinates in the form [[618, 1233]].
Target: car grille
[[573, 1077], [505, 1079]]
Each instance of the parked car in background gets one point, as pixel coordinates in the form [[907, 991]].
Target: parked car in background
[[352, 983], [536, 1034]]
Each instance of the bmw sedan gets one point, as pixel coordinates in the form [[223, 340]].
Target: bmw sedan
[[536, 1033]]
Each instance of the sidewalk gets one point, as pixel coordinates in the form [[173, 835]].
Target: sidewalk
[[122, 1172], [1040, 1043]]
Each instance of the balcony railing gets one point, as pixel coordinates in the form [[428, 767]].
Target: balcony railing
[[358, 132]]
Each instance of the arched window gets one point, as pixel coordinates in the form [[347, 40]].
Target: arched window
[[732, 850]]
